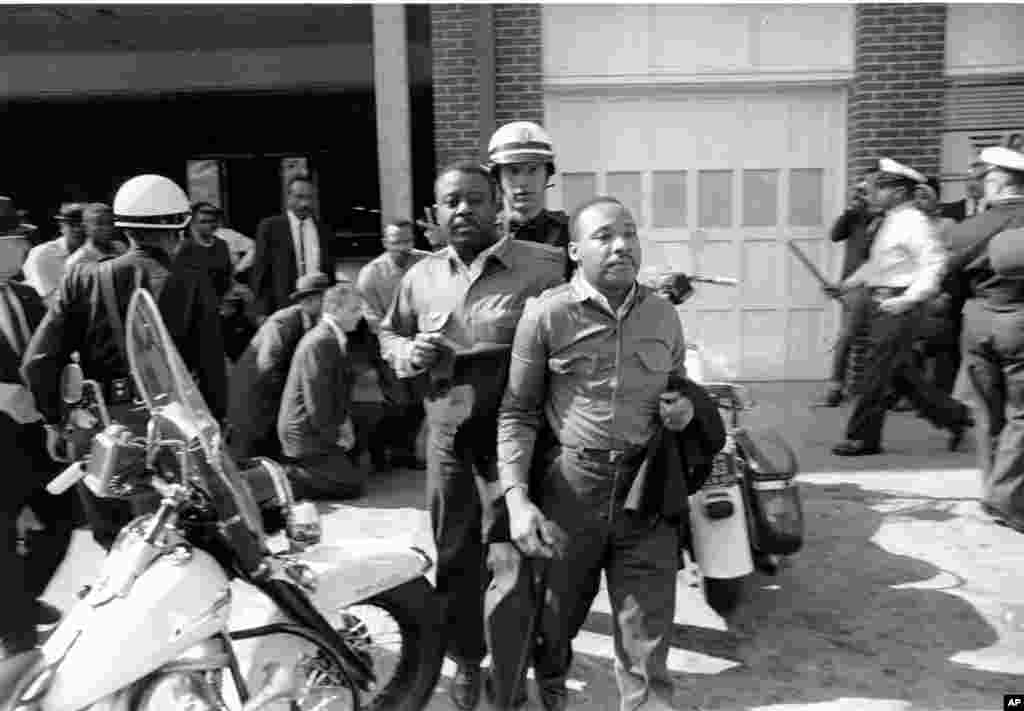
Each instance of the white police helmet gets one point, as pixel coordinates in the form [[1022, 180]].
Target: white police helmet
[[151, 202], [521, 142]]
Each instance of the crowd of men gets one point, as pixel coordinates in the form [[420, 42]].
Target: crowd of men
[[551, 382]]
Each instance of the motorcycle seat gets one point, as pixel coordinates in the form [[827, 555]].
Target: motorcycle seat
[[13, 671]]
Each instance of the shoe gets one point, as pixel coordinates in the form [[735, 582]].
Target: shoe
[[466, 686], [855, 448], [902, 405], [1001, 519], [832, 398], [554, 698], [956, 434]]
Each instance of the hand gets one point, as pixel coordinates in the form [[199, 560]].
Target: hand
[[676, 411], [27, 521], [530, 530], [55, 444], [427, 349], [896, 305], [435, 234], [675, 287]]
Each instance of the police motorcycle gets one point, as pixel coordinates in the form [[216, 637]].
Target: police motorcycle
[[155, 630], [748, 514]]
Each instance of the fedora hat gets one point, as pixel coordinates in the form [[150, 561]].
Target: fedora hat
[[70, 212], [11, 220], [314, 283]]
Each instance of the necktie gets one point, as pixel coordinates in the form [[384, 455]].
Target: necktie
[[302, 248]]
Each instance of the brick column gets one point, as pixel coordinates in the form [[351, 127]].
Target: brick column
[[896, 101], [516, 82]]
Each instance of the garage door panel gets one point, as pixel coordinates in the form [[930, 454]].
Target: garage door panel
[[716, 333], [760, 284], [570, 121], [804, 289], [719, 183], [764, 353], [807, 345]]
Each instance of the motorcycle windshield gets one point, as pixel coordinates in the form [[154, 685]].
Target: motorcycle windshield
[[166, 386]]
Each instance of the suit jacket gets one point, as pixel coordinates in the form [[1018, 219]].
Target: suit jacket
[[274, 267], [317, 397], [32, 304], [259, 376]]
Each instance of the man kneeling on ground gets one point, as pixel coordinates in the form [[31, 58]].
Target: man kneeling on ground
[[314, 423]]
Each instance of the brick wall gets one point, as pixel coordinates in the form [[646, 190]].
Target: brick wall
[[453, 42], [518, 91], [897, 97], [519, 94]]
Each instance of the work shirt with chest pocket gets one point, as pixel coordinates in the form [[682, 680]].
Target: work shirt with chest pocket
[[468, 304], [596, 376]]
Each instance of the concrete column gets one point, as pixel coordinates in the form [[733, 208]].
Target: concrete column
[[391, 91]]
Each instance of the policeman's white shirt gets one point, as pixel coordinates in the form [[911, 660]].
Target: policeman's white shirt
[[907, 253], [307, 252]]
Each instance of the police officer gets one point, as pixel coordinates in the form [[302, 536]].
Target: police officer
[[88, 317], [902, 273], [522, 160], [471, 292], [986, 265]]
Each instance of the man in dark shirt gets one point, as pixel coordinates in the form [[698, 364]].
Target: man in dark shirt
[[854, 228], [201, 248]]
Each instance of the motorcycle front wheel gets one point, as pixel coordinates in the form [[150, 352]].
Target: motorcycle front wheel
[[399, 631]]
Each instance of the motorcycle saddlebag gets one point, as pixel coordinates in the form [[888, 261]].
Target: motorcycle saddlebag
[[774, 512]]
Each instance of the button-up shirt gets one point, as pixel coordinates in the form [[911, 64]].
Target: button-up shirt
[[44, 266], [306, 240], [479, 303], [596, 376], [907, 253], [377, 283]]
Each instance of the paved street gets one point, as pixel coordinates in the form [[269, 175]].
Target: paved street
[[905, 597]]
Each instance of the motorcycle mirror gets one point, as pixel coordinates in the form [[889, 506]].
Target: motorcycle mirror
[[72, 381]]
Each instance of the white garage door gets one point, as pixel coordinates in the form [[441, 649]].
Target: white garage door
[[719, 183]]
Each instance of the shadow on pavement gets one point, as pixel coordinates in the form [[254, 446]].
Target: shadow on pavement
[[832, 624]]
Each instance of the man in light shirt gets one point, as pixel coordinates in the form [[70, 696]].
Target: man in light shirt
[[98, 222], [395, 436], [45, 263], [902, 273]]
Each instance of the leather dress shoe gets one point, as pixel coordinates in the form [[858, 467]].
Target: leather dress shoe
[[956, 434], [465, 687], [554, 698], [1002, 519], [855, 448], [832, 398]]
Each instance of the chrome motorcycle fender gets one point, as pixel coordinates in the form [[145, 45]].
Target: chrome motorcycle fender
[[721, 546], [344, 575], [105, 644]]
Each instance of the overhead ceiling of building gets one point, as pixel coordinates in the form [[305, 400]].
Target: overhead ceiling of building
[[95, 28]]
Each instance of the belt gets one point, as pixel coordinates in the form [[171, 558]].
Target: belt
[[886, 292], [609, 456]]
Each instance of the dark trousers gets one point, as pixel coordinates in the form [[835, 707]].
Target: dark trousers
[[403, 411], [940, 347], [638, 554], [454, 454], [993, 355], [28, 468], [331, 475], [856, 309], [892, 370]]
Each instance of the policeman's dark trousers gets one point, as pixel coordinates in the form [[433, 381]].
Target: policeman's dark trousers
[[27, 469], [993, 356], [638, 555], [453, 456], [892, 370], [856, 309]]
